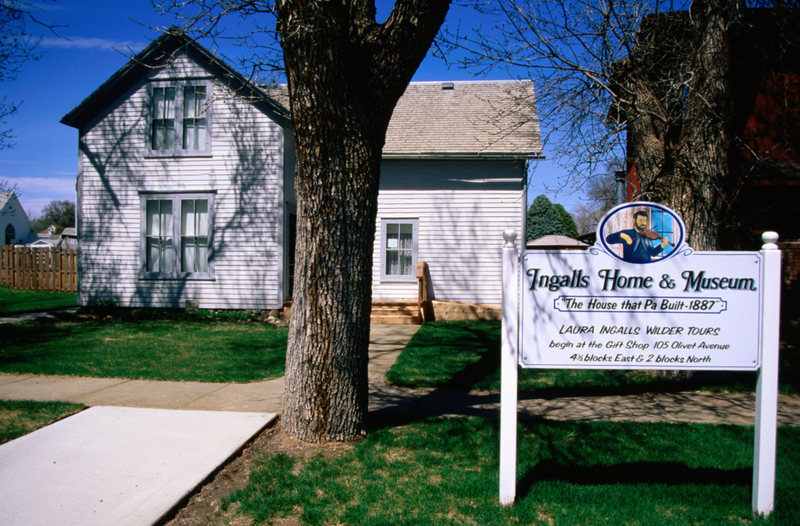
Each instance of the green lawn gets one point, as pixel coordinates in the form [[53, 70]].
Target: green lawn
[[14, 301], [443, 472], [146, 349], [466, 355], [18, 418]]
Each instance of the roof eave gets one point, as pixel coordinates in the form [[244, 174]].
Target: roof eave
[[144, 61], [465, 156]]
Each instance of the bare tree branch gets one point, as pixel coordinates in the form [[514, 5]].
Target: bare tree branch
[[17, 46], [648, 81]]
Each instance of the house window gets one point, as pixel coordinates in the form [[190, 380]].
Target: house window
[[399, 249], [160, 248], [180, 118], [194, 117], [163, 136], [176, 236], [10, 234], [194, 235]]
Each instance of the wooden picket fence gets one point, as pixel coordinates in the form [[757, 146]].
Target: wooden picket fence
[[52, 269]]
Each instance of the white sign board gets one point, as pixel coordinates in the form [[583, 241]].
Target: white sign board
[[589, 309], [641, 298]]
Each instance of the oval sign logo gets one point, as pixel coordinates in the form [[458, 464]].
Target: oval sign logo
[[641, 232]]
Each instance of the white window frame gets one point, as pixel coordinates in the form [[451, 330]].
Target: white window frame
[[414, 257], [177, 149], [176, 198]]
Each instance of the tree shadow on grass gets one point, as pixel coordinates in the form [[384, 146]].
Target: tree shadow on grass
[[37, 341], [670, 474], [480, 371], [483, 374]]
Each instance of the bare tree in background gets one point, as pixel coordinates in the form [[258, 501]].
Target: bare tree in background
[[17, 46], [345, 73], [601, 196], [655, 73]]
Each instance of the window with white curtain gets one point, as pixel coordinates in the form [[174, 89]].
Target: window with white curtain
[[663, 224], [180, 118], [399, 239], [194, 235], [176, 235], [194, 117], [163, 122], [159, 235]]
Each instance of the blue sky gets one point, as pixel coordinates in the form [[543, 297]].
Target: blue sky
[[98, 34]]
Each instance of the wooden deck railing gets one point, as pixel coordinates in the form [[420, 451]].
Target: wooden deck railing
[[422, 296], [52, 269]]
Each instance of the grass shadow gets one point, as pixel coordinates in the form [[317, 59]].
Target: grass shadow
[[175, 350], [466, 356], [476, 373], [662, 473]]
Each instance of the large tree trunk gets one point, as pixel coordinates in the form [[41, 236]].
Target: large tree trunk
[[345, 75], [647, 125], [706, 140], [678, 114], [679, 118]]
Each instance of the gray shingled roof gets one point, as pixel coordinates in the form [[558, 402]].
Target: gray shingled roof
[[473, 119], [483, 118]]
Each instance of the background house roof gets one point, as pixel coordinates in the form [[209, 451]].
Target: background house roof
[[465, 119], [556, 243], [5, 197]]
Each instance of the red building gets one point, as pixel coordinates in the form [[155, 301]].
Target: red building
[[764, 160]]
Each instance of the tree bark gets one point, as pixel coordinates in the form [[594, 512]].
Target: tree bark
[[675, 96], [345, 75], [706, 141]]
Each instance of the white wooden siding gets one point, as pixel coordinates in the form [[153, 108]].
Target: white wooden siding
[[245, 170], [463, 207]]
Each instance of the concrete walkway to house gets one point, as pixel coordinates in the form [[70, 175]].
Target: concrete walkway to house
[[144, 445]]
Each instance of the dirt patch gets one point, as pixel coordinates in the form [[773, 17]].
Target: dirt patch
[[204, 507]]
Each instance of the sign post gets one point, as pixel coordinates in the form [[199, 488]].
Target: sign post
[[767, 387], [508, 364], [641, 298]]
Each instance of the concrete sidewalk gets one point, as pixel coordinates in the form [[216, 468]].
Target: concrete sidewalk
[[386, 343], [28, 316], [113, 465]]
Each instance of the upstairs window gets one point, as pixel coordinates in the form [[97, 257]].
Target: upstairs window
[[194, 117], [176, 236], [163, 136], [180, 118], [399, 239], [10, 233]]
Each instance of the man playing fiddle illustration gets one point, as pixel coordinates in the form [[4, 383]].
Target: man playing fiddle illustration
[[637, 243]]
